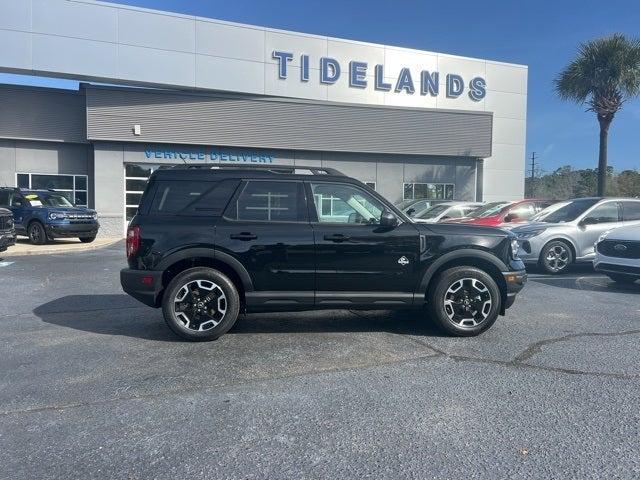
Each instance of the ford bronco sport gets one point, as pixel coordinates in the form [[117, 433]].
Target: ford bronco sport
[[211, 241]]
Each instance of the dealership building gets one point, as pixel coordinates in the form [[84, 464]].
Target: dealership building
[[161, 88]]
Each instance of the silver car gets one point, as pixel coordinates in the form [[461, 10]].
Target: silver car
[[568, 234], [445, 211]]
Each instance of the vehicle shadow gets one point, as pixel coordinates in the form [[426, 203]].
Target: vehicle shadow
[[116, 314], [119, 314], [588, 283]]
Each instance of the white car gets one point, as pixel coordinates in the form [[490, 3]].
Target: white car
[[618, 254], [446, 211]]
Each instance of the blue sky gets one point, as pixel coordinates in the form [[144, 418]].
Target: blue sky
[[543, 35]]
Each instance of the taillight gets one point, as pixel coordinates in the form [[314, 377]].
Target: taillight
[[133, 241]]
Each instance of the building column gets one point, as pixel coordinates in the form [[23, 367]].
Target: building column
[[108, 187]]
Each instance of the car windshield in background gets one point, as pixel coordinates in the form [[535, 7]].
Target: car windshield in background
[[48, 200], [540, 216], [406, 203], [489, 209], [570, 211], [433, 211]]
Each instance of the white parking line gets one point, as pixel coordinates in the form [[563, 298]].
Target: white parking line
[[553, 277], [6, 264]]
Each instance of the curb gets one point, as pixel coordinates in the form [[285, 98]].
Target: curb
[[66, 248]]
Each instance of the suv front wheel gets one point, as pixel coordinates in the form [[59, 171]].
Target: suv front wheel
[[465, 301], [200, 304]]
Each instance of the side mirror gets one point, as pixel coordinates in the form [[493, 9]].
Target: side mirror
[[589, 221], [411, 211], [388, 219], [510, 217], [445, 218]]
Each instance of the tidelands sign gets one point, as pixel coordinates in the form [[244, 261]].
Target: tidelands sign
[[428, 83]]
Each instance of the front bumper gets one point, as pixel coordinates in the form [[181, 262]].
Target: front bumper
[[515, 282], [143, 285], [626, 266], [530, 248], [60, 230], [6, 240]]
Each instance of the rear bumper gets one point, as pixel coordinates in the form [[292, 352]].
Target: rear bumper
[[515, 282], [143, 285], [6, 240], [72, 229]]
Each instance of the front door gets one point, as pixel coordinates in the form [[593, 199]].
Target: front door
[[357, 259], [601, 218], [266, 228]]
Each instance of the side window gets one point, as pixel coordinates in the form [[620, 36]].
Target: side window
[[455, 212], [340, 203], [630, 211], [605, 213], [4, 199], [271, 202], [192, 198]]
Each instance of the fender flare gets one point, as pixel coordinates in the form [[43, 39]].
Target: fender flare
[[225, 258], [462, 253]]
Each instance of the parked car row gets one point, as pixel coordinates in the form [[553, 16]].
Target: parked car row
[[554, 235], [42, 215]]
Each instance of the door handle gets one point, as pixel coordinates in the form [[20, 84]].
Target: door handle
[[336, 238], [244, 236]]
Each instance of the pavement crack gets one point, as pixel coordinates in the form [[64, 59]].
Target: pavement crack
[[536, 348]]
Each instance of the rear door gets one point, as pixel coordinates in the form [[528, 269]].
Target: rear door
[[357, 259], [266, 228], [631, 212]]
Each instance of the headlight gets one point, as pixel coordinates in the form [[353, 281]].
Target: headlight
[[94, 215], [530, 234], [514, 248], [603, 236], [57, 216]]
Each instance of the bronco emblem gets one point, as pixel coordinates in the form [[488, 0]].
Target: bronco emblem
[[403, 261]]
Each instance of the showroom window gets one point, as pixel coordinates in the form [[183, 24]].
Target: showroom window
[[73, 187], [135, 181], [430, 191]]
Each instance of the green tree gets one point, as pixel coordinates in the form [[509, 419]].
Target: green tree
[[604, 75]]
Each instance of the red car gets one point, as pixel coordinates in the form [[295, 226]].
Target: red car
[[495, 214]]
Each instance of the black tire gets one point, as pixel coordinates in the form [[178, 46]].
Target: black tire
[[622, 278], [87, 239], [195, 308], [555, 257], [448, 309], [37, 234]]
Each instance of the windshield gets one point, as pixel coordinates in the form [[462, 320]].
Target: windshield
[[489, 209], [404, 204], [570, 211], [541, 215], [47, 199], [434, 211]]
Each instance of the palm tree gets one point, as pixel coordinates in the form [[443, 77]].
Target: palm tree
[[604, 75]]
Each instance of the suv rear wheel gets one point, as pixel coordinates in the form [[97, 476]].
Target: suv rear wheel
[[465, 301], [37, 233], [200, 304]]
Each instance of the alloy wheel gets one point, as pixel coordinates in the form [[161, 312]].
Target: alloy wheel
[[200, 305], [557, 258], [467, 302]]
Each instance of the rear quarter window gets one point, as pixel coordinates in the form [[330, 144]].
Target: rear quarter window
[[192, 198]]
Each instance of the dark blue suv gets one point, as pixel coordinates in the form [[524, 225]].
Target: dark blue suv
[[43, 215]]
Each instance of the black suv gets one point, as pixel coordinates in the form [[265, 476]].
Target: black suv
[[209, 242]]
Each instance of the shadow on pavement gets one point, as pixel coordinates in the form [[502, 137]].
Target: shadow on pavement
[[121, 315], [589, 283], [106, 315]]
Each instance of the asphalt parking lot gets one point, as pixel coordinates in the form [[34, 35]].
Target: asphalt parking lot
[[94, 385]]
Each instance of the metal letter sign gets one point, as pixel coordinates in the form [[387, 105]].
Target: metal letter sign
[[428, 82]]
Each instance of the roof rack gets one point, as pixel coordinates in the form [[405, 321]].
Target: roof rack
[[281, 169]]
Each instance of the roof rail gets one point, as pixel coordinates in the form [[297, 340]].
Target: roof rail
[[281, 169]]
